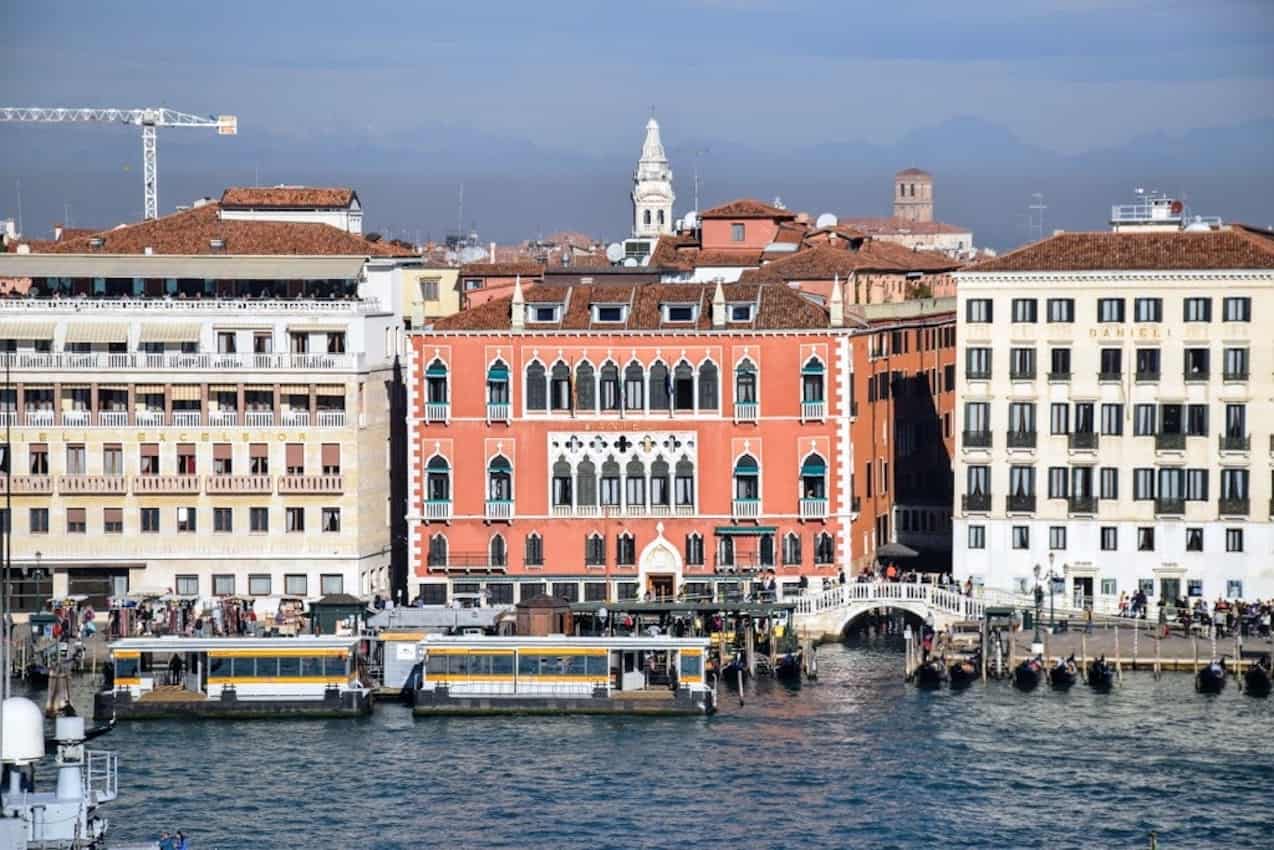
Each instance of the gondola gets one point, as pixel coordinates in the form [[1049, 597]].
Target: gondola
[[1026, 676], [1211, 679], [963, 673], [1256, 681], [733, 669], [37, 675], [788, 667], [1101, 675], [929, 675], [1062, 674]]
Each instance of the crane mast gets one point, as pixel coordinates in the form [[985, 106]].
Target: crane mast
[[150, 120]]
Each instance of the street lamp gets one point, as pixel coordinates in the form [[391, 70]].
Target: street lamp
[[1052, 612], [1039, 602]]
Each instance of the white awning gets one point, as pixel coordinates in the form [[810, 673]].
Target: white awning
[[99, 332], [170, 331], [27, 329]]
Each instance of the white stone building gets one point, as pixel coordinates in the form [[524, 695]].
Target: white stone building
[[652, 188]]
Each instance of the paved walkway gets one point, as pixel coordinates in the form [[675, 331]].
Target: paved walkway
[[1102, 642]]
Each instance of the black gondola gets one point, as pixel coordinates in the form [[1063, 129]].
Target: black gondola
[[733, 669], [1101, 675], [1027, 674], [963, 673], [788, 666], [1256, 680], [1062, 675], [929, 675], [37, 675], [1211, 679]]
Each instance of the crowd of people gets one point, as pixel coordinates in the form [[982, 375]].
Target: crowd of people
[[1229, 616]]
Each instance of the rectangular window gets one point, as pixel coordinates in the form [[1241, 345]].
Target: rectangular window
[[1058, 482], [186, 520], [39, 459], [1143, 484], [222, 459], [428, 290], [625, 551], [113, 520], [1059, 418], [150, 520], [1194, 539], [1025, 310], [259, 520], [76, 521], [1197, 310], [1234, 483], [1143, 420], [1148, 309], [1110, 309], [1234, 540], [186, 459], [594, 551], [75, 463], [1197, 420], [113, 459], [331, 584], [1061, 309], [258, 585], [978, 310], [331, 458], [736, 232], [1108, 481], [187, 585], [223, 584], [978, 363], [1237, 309], [295, 458], [1022, 363], [295, 585], [1109, 538], [1059, 363], [977, 537], [1112, 364], [39, 520], [1021, 537], [1145, 539], [331, 520], [1057, 537], [295, 520], [1196, 485], [1235, 364], [223, 520], [1148, 363], [1197, 363], [533, 551], [1112, 420]]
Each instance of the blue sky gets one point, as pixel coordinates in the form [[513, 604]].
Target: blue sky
[[478, 90]]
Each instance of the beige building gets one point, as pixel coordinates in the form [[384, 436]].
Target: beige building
[[1116, 413], [429, 292], [200, 405]]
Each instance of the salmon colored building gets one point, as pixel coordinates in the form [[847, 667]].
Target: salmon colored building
[[608, 440]]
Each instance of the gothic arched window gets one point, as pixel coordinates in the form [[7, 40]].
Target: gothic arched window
[[646, 217]]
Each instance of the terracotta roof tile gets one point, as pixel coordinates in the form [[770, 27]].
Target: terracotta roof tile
[[747, 208], [824, 262], [190, 232], [1233, 248], [510, 269], [287, 197], [890, 226]]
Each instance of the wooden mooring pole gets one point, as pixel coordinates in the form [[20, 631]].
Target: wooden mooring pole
[[985, 649], [1135, 631], [1083, 656], [1195, 641], [1158, 663], [1119, 670]]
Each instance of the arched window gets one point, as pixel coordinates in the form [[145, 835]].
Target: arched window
[[791, 550], [660, 386], [765, 550], [438, 480], [537, 391], [586, 483], [498, 383], [436, 382], [708, 386], [683, 387], [610, 396], [684, 485], [646, 217], [694, 549], [745, 382], [594, 550], [438, 551], [635, 483], [499, 480], [812, 381], [814, 477], [725, 551], [824, 551], [660, 484], [562, 484], [634, 387], [625, 550], [747, 476], [560, 387], [661, 218], [610, 482], [585, 387], [533, 555], [498, 552]]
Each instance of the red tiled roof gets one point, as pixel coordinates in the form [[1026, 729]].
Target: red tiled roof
[[1232, 248], [190, 232], [287, 197], [890, 226], [779, 307], [747, 208], [74, 232], [510, 269], [824, 262]]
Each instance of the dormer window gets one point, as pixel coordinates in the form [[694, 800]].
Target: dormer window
[[96, 243], [680, 312], [217, 246], [610, 312], [544, 312], [740, 312]]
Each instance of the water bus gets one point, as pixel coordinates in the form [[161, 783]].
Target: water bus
[[555, 674], [234, 677]]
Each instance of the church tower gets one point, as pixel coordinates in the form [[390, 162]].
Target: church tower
[[652, 187]]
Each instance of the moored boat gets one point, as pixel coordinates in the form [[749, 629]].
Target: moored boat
[[1026, 676], [1211, 679], [1062, 675], [788, 666], [1101, 675], [930, 674], [1256, 680], [962, 673]]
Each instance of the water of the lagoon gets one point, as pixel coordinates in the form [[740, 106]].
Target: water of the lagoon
[[858, 759]]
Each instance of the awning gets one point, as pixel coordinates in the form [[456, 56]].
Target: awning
[[498, 373], [331, 390], [27, 329], [295, 389], [101, 332], [812, 369], [187, 392], [814, 467], [113, 387], [149, 389], [223, 388], [170, 331], [747, 463], [895, 550], [744, 530], [436, 370]]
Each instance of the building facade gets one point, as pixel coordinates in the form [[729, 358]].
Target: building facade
[[1115, 415], [913, 195]]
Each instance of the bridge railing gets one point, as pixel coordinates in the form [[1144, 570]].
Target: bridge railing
[[858, 593]]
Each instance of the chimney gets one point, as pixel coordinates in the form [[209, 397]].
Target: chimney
[[836, 305], [718, 306], [517, 310], [148, 251], [491, 253]]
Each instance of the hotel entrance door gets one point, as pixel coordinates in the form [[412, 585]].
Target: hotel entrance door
[[660, 586]]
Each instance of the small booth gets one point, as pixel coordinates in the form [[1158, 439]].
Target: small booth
[[337, 613], [544, 615]]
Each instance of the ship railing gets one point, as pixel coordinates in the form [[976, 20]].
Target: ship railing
[[101, 776]]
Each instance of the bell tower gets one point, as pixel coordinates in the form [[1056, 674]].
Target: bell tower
[[652, 187]]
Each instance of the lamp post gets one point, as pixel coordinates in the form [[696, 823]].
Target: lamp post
[[1039, 602], [1052, 612]]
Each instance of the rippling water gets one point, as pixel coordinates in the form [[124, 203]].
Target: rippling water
[[857, 759]]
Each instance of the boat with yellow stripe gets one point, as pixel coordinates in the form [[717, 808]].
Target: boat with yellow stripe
[[556, 674], [312, 675]]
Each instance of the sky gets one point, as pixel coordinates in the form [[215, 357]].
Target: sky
[[538, 108]]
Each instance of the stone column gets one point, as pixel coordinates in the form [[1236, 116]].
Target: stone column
[[57, 403]]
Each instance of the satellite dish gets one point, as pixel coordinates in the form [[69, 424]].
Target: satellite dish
[[614, 252], [473, 254], [691, 220], [825, 220], [630, 262]]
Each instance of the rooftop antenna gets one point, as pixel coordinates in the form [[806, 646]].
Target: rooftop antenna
[[20, 230], [460, 214], [698, 154], [1036, 219]]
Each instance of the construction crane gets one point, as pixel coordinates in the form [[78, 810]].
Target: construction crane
[[150, 120]]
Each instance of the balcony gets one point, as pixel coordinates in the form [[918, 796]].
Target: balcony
[[976, 439], [745, 508], [438, 510], [149, 419], [1085, 441], [113, 418], [1234, 506], [1022, 374], [223, 419], [1234, 443], [1170, 507], [1060, 376], [165, 484], [1020, 504], [813, 509], [221, 484], [39, 418], [1149, 375], [978, 375], [1240, 375], [499, 412], [976, 502], [331, 419], [1170, 442], [1110, 376], [312, 484], [1020, 439], [27, 485], [813, 411], [437, 411], [90, 484], [741, 562], [76, 418], [1081, 505], [207, 361], [464, 563], [499, 510], [294, 418], [187, 418], [259, 418], [746, 411]]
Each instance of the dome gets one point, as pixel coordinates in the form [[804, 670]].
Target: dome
[[23, 731]]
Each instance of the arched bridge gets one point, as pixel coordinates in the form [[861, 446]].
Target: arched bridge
[[830, 611]]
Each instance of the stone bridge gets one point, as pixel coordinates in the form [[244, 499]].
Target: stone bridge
[[826, 614]]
